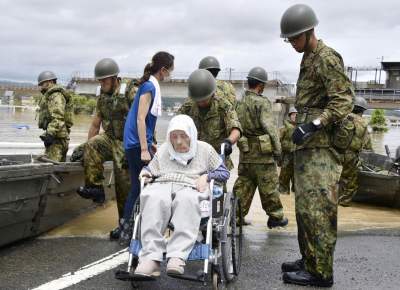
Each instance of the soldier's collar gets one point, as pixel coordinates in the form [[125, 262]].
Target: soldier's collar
[[212, 109], [318, 48], [250, 92]]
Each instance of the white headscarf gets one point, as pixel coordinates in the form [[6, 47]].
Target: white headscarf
[[186, 124]]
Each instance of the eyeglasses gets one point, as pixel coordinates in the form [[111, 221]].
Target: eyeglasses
[[293, 38]]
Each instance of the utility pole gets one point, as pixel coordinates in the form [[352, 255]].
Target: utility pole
[[230, 70], [380, 70]]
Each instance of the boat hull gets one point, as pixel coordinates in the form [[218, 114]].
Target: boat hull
[[37, 197]]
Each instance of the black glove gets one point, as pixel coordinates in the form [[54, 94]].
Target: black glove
[[303, 132], [228, 147], [47, 139]]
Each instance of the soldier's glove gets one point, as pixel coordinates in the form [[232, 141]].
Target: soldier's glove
[[228, 147], [305, 131], [47, 139]]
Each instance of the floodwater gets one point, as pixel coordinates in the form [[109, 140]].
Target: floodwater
[[18, 125], [360, 259]]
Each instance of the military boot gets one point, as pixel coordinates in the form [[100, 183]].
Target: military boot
[[305, 278], [293, 266], [115, 233], [94, 193], [274, 222]]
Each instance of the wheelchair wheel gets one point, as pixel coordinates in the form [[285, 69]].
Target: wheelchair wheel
[[231, 242]]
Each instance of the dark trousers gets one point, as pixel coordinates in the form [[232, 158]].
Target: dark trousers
[[135, 166]]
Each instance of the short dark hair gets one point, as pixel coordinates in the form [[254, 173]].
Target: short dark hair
[[253, 83]]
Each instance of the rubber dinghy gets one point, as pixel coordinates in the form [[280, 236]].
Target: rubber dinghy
[[38, 196]]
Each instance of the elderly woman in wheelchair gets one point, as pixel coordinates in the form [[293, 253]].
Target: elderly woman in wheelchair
[[177, 181]]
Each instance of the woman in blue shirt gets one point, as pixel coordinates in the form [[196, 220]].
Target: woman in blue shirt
[[141, 122]]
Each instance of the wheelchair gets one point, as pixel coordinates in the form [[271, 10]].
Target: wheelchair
[[220, 247]]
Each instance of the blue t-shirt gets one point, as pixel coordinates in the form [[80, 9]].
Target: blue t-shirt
[[131, 137]]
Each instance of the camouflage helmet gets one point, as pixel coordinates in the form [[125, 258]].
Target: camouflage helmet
[[46, 76], [297, 19], [201, 85], [105, 68], [209, 62], [258, 73], [292, 110], [361, 103]]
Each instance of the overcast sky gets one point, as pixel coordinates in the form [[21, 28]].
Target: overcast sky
[[69, 36]]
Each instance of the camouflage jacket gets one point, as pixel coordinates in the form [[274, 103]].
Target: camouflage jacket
[[227, 91], [55, 112], [260, 140], [323, 91], [286, 133], [113, 109], [214, 124], [361, 139]]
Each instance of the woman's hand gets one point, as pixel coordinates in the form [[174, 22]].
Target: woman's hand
[[146, 176], [153, 148], [145, 156], [202, 183]]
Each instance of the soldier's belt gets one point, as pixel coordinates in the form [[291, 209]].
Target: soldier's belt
[[306, 115]]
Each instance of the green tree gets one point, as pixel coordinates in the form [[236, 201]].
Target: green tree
[[378, 121]]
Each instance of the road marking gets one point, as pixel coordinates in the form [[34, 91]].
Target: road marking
[[87, 271]]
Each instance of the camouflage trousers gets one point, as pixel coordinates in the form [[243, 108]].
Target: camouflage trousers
[[316, 176], [348, 183], [265, 177], [286, 174], [99, 149], [58, 150]]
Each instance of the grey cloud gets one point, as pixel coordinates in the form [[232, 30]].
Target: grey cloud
[[68, 36]]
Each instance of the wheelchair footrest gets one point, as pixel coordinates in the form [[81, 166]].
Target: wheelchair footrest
[[123, 275], [143, 278], [199, 278], [199, 252]]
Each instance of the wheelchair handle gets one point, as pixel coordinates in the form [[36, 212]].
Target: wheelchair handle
[[223, 151]]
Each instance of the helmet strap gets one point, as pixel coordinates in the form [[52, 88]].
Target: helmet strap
[[308, 37]]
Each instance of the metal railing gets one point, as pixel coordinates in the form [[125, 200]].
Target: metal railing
[[379, 94]]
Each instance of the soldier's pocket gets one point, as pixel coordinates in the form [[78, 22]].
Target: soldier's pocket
[[214, 131], [243, 144], [265, 144]]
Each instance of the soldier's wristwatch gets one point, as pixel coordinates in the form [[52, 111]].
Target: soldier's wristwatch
[[317, 123]]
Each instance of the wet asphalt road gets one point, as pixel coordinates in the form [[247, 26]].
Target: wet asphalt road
[[364, 260]]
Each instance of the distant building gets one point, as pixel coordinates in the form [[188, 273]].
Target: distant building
[[392, 69], [7, 98]]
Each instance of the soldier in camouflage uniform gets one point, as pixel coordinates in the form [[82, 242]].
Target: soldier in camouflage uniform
[[324, 97], [286, 132], [215, 118], [259, 147], [224, 89], [55, 116], [111, 110], [131, 89], [361, 140]]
